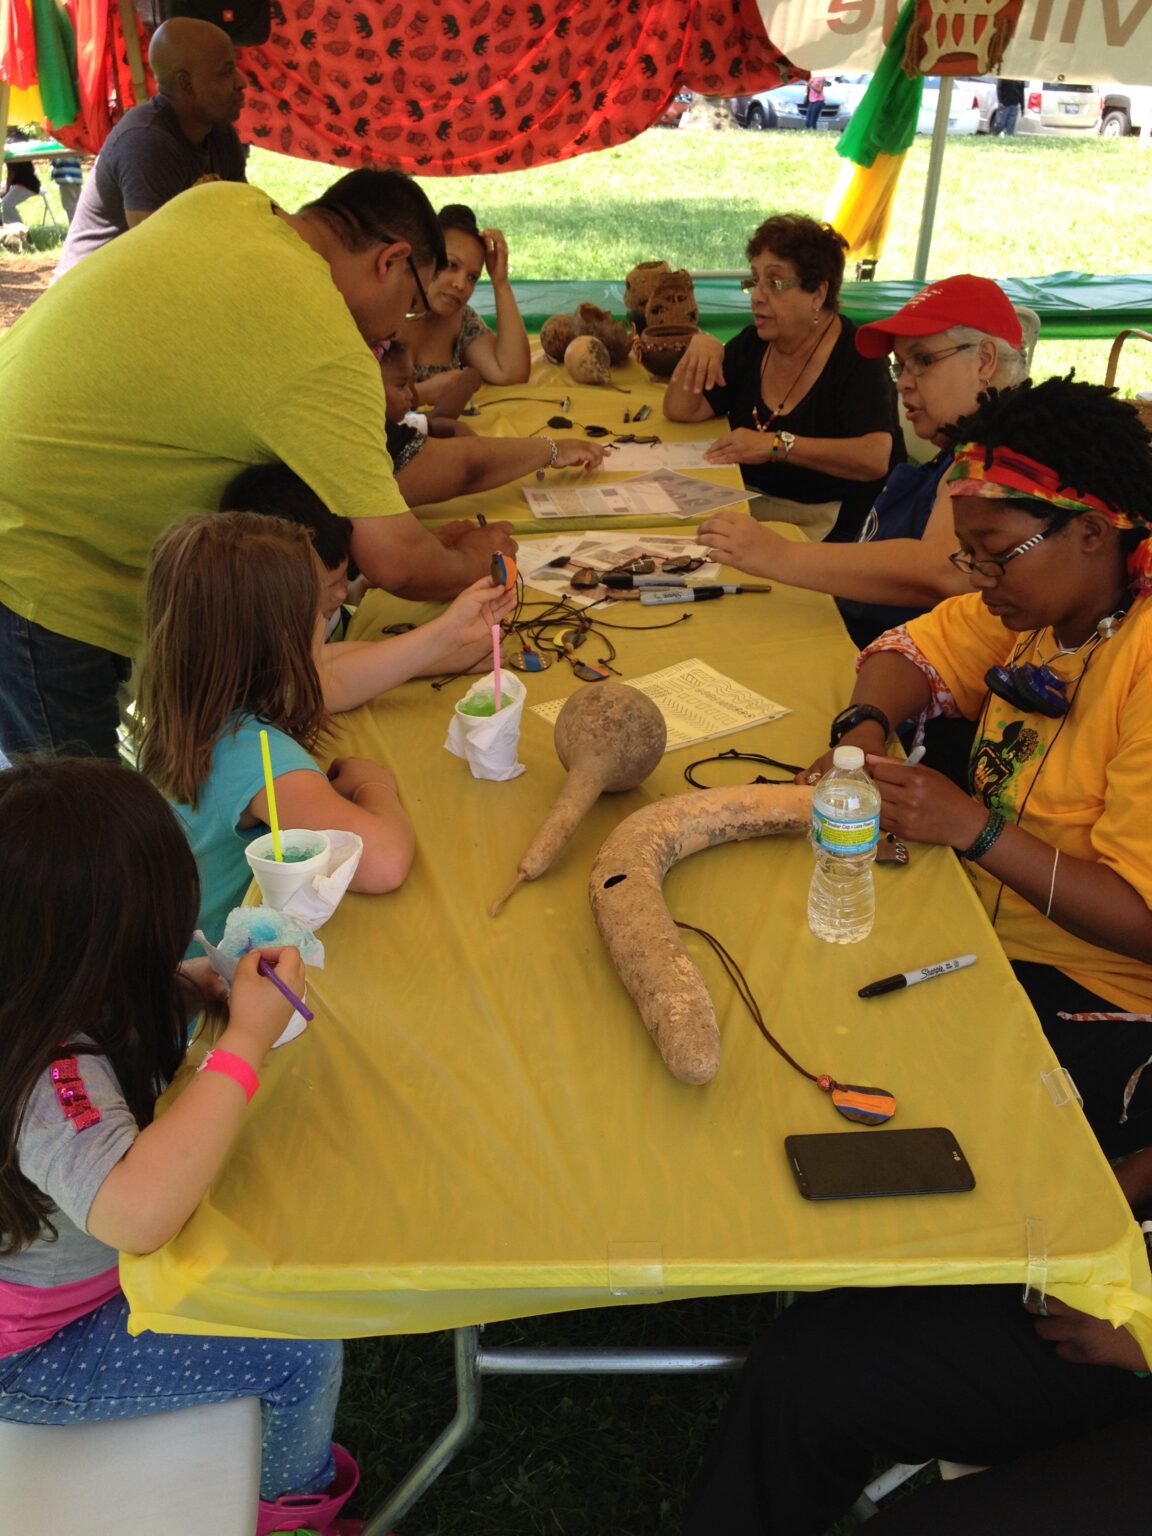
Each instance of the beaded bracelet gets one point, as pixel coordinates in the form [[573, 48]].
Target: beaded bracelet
[[234, 1067], [989, 833]]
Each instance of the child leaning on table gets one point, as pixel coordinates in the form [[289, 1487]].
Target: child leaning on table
[[354, 671], [233, 631], [97, 906]]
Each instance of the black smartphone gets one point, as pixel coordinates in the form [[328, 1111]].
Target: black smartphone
[[860, 1165]]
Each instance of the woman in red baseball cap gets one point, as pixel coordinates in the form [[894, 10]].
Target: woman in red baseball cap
[[952, 342]]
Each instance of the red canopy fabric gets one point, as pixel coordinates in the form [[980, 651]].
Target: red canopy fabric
[[17, 44], [103, 74], [450, 87]]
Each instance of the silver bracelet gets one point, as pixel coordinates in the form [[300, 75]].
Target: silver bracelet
[[1052, 885], [555, 454]]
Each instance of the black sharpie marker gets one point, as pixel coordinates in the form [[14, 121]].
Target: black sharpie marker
[[910, 978]]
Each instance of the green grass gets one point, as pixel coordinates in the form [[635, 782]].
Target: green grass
[[1022, 207]]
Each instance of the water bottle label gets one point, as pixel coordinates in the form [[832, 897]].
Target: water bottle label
[[845, 837]]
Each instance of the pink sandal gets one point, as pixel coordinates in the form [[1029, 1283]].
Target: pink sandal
[[315, 1511]]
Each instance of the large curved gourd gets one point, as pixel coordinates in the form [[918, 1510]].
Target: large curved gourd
[[627, 896], [609, 737]]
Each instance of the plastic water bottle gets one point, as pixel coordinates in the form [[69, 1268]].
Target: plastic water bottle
[[845, 831]]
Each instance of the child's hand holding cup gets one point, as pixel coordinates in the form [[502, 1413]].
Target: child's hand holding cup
[[258, 1012]]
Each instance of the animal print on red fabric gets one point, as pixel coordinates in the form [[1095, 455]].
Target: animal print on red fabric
[[448, 87]]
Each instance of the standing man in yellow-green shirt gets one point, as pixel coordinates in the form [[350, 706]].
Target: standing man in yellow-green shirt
[[221, 332]]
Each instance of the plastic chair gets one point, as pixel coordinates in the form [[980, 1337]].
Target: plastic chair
[[184, 1473]]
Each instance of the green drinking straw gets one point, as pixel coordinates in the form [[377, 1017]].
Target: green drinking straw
[[273, 819]]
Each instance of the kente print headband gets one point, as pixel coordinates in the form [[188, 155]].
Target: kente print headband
[[1003, 474]]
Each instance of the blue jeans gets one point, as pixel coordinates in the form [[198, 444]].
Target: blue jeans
[[93, 1370], [56, 695], [812, 113], [1006, 120]]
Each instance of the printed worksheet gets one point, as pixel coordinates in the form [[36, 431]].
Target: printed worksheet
[[663, 493], [697, 702]]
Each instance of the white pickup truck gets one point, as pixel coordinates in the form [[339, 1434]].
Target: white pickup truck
[[1126, 109]]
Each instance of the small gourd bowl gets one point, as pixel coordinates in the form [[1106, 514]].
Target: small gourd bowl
[[662, 347]]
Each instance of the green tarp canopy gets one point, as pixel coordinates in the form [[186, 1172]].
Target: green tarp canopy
[[1077, 305]]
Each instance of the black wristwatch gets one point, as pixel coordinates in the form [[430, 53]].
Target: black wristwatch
[[856, 714]]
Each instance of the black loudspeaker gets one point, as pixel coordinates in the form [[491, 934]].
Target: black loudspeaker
[[247, 22]]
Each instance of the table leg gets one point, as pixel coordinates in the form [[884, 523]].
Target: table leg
[[472, 1362], [454, 1437]]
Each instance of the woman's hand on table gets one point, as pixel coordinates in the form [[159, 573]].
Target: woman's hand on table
[[702, 366], [741, 447], [495, 255], [738, 540], [920, 805], [573, 453]]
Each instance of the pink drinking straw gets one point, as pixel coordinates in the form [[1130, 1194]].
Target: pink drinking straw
[[498, 697]]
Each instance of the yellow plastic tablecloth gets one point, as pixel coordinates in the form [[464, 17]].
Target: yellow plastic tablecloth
[[519, 410], [476, 1126]]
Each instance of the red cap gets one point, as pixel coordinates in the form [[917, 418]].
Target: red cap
[[977, 302]]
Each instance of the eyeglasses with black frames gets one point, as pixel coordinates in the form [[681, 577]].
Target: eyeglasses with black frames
[[994, 568], [917, 363], [416, 314]]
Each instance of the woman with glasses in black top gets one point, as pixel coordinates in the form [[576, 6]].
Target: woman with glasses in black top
[[813, 425]]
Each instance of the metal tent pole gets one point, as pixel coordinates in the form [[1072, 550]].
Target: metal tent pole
[[932, 187]]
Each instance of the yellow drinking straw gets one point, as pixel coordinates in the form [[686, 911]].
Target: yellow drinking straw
[[273, 819]]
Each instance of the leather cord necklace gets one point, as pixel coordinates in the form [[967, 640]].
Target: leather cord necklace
[[766, 425]]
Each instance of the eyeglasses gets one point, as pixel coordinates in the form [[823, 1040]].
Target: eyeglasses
[[995, 568], [919, 362], [777, 284], [416, 314]]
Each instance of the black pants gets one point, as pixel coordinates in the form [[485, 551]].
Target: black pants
[[904, 1375], [1094, 1486], [1101, 1057]]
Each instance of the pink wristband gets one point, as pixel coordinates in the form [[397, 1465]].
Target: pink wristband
[[234, 1067]]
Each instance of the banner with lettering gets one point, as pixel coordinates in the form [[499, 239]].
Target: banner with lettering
[[1091, 42]]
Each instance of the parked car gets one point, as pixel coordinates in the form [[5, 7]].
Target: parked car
[[963, 109], [786, 106], [1125, 109], [1055, 108], [980, 90], [675, 110]]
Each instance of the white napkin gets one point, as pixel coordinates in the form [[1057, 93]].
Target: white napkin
[[490, 743], [315, 902]]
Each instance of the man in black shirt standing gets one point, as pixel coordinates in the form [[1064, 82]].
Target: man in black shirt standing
[[168, 143], [1010, 99]]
